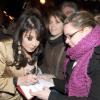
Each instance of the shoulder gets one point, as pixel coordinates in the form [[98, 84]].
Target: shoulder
[[5, 38], [97, 50], [6, 51], [94, 63], [5, 44], [96, 54]]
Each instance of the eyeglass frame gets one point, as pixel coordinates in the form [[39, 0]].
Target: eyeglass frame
[[74, 33]]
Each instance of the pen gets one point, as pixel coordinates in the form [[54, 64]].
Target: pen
[[34, 71]]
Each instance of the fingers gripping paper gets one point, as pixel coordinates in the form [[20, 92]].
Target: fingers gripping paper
[[36, 87]]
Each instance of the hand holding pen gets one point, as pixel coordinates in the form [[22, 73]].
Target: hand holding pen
[[27, 80]]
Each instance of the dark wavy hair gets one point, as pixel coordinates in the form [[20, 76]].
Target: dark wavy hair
[[26, 22], [55, 12]]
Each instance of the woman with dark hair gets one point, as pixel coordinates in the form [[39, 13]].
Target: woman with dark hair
[[82, 66], [19, 55]]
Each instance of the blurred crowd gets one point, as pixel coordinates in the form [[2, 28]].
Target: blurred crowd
[[61, 46]]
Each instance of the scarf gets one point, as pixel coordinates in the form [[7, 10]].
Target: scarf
[[80, 83], [56, 41]]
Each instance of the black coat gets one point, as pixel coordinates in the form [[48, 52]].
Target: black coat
[[54, 55], [94, 74]]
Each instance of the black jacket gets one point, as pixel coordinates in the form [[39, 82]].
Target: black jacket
[[93, 72]]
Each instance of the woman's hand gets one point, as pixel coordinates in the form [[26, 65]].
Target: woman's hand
[[44, 94], [27, 80], [47, 77], [28, 69]]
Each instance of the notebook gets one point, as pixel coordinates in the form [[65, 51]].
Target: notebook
[[34, 88]]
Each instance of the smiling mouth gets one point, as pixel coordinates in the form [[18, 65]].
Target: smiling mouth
[[53, 29], [33, 48]]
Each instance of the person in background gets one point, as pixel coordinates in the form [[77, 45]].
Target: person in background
[[69, 7], [97, 18], [82, 73], [19, 55], [54, 53]]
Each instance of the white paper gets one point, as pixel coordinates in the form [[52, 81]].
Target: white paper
[[37, 87]]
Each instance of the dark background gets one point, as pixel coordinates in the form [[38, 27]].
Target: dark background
[[15, 7]]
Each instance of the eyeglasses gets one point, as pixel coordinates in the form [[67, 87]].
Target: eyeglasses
[[74, 33]]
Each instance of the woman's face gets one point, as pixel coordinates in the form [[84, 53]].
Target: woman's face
[[73, 35], [55, 26], [29, 41]]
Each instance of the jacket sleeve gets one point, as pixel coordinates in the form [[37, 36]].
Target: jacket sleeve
[[59, 85], [94, 73], [93, 95], [55, 96], [6, 83]]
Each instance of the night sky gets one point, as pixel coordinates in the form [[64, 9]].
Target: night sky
[[14, 7]]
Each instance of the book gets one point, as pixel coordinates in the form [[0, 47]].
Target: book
[[34, 88]]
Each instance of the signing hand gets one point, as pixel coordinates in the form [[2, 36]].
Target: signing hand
[[27, 80], [47, 77], [44, 94]]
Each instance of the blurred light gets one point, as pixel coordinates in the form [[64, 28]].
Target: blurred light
[[5, 12], [42, 1], [11, 17]]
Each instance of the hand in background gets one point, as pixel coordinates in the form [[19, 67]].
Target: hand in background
[[27, 80], [44, 94]]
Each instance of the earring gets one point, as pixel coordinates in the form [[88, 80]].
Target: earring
[[19, 48], [19, 51]]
